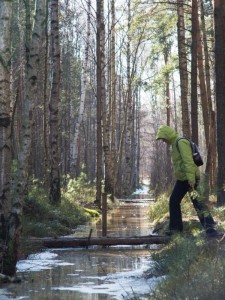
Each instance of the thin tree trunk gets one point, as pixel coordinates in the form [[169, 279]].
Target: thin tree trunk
[[45, 102], [194, 95], [168, 168], [113, 99], [129, 104], [84, 88], [100, 23], [5, 123], [202, 84]]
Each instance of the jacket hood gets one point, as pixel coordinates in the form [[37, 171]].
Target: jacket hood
[[167, 133]]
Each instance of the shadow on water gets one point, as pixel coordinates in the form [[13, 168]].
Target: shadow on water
[[96, 273]]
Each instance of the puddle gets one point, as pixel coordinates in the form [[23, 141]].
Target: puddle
[[96, 273]]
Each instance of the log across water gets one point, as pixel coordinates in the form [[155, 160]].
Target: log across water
[[65, 242]]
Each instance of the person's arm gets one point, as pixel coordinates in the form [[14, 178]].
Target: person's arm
[[188, 162]]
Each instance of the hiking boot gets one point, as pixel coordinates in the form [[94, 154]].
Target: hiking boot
[[211, 232]]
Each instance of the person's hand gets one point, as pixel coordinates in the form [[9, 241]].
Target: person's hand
[[192, 185]]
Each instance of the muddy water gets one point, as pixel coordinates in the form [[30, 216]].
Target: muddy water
[[91, 274]]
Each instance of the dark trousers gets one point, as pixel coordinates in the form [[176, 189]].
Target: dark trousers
[[179, 191]]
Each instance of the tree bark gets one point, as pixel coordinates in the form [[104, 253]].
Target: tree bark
[[55, 192], [212, 148], [113, 100], [219, 17], [194, 94], [5, 121], [183, 68], [107, 241], [84, 89], [99, 49], [129, 108], [202, 85], [20, 189]]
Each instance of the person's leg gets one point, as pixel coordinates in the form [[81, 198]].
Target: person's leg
[[203, 212], [179, 191]]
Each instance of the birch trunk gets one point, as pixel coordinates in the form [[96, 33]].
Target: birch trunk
[[32, 63], [84, 89]]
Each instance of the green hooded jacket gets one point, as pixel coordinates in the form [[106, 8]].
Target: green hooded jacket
[[184, 166]]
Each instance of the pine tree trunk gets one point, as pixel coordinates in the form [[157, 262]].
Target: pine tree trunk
[[202, 85], [168, 168], [113, 101], [45, 103], [194, 95], [5, 121], [212, 148], [219, 16], [183, 68], [99, 49], [55, 192]]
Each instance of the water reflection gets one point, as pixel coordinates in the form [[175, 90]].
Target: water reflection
[[91, 274], [109, 273]]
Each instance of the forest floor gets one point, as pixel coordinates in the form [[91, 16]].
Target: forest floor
[[191, 265]]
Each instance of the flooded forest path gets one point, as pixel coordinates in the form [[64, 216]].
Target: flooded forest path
[[96, 273]]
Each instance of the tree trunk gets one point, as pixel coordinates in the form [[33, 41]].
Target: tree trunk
[[183, 68], [45, 103], [194, 95], [99, 49], [84, 89], [32, 64], [55, 193], [129, 107], [202, 85], [168, 168], [5, 122], [107, 241], [113, 100], [212, 149], [219, 16]]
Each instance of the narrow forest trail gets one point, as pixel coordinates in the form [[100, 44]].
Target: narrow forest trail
[[95, 273]]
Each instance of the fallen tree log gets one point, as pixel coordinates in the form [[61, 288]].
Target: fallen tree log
[[64, 242]]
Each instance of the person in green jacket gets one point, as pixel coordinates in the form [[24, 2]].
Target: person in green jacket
[[187, 179]]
